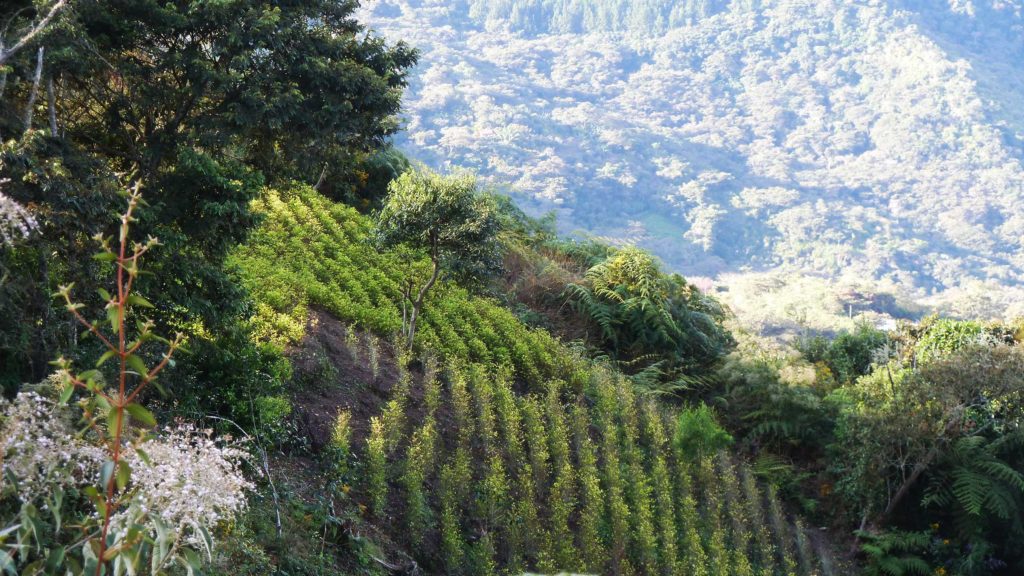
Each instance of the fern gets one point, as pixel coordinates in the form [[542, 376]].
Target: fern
[[977, 481], [895, 553]]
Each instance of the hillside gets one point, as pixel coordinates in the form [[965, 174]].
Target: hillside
[[502, 450], [867, 143], [243, 334]]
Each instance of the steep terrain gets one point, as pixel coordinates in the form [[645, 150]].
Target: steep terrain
[[868, 141], [493, 457]]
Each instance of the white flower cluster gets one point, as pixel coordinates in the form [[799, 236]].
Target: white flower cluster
[[187, 482], [182, 484], [15, 221], [40, 449]]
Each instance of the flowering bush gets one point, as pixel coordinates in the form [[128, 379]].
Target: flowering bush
[[40, 450], [136, 498], [184, 483]]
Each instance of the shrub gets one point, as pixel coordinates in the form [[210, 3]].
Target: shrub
[[155, 498], [376, 467], [698, 432], [418, 463]]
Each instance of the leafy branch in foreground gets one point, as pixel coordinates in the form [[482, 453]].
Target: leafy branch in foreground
[[154, 496]]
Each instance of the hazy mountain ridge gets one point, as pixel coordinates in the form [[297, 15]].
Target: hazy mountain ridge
[[863, 140]]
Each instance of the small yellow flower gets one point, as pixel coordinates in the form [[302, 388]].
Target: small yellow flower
[[946, 541], [935, 526], [940, 571]]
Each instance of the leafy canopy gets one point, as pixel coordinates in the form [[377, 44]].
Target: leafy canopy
[[444, 216]]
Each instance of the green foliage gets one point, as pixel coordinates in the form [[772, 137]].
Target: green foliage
[[781, 530], [95, 500], [340, 446], [895, 553], [765, 408], [661, 484], [974, 483], [209, 101], [591, 496], [945, 336], [376, 468], [251, 383], [698, 432], [310, 251], [754, 512], [418, 463], [640, 312], [849, 355], [576, 480], [445, 218], [561, 497], [453, 546]]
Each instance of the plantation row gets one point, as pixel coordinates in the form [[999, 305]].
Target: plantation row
[[479, 480], [311, 251]]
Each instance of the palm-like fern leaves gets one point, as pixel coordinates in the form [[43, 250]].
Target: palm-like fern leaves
[[895, 553], [642, 312], [976, 480]]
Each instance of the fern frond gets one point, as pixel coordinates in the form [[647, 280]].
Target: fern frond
[[969, 487]]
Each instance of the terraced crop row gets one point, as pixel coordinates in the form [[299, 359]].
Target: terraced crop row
[[310, 251]]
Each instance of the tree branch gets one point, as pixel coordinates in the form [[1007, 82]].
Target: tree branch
[[35, 31]]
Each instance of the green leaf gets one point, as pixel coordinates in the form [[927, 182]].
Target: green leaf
[[89, 375], [7, 563], [136, 364], [56, 504], [207, 541], [104, 257], [114, 417], [145, 457], [106, 356], [54, 559], [66, 393], [159, 387], [106, 472], [141, 414], [104, 294], [191, 561], [136, 300], [124, 473], [113, 317]]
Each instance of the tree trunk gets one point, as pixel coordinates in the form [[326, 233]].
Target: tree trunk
[[3, 75], [418, 304], [51, 98], [30, 107], [915, 474]]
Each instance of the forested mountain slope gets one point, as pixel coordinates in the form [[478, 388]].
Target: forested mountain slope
[[241, 334], [500, 449], [868, 140]]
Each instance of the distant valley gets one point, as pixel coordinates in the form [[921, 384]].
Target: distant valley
[[785, 149]]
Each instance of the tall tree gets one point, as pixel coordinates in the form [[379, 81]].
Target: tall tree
[[202, 102], [446, 218]]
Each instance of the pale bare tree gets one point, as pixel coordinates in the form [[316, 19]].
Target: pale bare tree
[[38, 28]]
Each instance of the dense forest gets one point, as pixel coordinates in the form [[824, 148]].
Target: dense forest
[[242, 334], [872, 146]]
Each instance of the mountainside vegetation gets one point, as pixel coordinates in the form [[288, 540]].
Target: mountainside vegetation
[[874, 145], [242, 334]]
